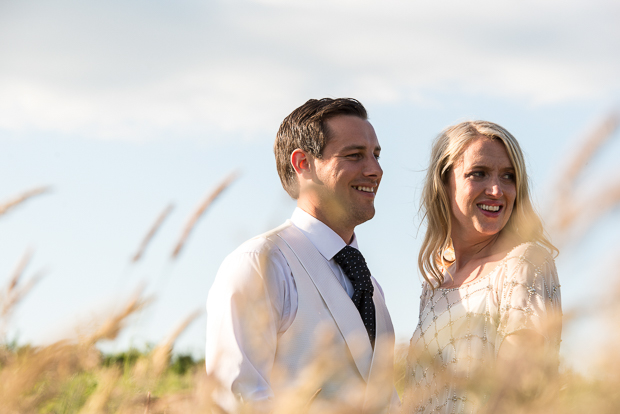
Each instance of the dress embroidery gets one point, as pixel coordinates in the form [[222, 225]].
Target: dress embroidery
[[461, 329]]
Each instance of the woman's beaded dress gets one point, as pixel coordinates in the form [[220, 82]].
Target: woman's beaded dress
[[461, 329]]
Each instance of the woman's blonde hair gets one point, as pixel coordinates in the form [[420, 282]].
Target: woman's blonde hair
[[448, 147]]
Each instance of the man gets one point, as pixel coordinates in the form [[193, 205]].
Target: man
[[295, 310]]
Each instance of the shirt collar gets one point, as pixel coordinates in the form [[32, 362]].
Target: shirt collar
[[326, 241]]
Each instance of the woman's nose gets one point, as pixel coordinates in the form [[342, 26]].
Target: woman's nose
[[494, 188]]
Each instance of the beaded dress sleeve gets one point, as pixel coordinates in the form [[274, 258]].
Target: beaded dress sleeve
[[529, 295]]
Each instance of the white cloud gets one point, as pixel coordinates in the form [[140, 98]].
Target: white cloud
[[145, 69]]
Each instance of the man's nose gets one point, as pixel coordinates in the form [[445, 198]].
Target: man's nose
[[373, 168]]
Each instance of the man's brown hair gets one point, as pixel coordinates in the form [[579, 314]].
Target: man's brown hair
[[306, 128]]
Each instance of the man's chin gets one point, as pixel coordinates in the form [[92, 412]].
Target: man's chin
[[362, 216]]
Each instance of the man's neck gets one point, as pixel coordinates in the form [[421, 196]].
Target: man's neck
[[345, 232]]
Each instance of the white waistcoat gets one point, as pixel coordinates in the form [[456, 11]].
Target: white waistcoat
[[327, 346]]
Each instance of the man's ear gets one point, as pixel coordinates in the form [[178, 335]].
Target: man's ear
[[301, 162]]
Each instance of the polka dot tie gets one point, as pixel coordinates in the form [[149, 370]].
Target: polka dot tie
[[354, 266]]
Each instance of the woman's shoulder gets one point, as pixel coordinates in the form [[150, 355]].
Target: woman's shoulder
[[530, 252], [529, 264]]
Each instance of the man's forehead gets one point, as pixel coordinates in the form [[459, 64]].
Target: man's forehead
[[352, 132]]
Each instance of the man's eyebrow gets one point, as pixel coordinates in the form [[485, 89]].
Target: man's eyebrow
[[359, 147]]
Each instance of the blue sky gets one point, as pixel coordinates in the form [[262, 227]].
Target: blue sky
[[126, 106]]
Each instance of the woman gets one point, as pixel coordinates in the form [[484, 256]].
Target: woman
[[491, 295]]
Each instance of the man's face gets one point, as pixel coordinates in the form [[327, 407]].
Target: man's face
[[347, 177]]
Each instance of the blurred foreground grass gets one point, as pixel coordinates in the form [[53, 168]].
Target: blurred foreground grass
[[75, 377]]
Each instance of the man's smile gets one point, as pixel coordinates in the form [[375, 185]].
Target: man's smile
[[365, 189]]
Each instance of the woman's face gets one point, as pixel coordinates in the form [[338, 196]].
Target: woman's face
[[482, 189]]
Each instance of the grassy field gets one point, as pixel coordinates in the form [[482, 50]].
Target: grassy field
[[74, 377]]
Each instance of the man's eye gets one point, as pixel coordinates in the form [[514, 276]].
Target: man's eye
[[377, 156], [354, 156]]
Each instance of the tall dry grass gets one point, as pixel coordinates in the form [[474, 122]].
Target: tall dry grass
[[200, 210], [574, 208], [72, 376], [21, 198], [151, 233], [15, 291]]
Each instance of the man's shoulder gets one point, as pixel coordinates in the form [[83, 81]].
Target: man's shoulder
[[257, 259], [275, 231], [261, 245]]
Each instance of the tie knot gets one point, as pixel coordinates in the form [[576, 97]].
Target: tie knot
[[349, 257], [354, 266]]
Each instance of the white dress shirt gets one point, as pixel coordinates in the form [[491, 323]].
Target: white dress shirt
[[231, 355]]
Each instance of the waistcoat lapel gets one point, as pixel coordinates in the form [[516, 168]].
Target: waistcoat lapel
[[380, 393], [341, 307]]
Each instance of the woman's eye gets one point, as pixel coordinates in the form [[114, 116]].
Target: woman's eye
[[476, 174], [509, 176]]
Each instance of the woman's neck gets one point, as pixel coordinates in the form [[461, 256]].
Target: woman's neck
[[467, 250]]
